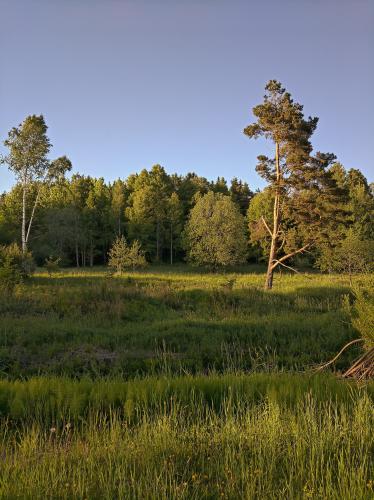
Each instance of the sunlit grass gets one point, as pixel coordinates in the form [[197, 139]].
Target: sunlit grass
[[83, 322], [137, 387], [238, 436]]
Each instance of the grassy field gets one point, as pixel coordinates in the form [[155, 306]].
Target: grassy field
[[170, 384], [258, 436], [176, 320]]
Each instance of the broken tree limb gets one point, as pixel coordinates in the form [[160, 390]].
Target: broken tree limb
[[288, 267], [265, 224], [322, 367]]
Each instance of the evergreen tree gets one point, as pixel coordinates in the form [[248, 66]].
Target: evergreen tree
[[240, 194], [302, 189], [118, 203], [122, 256], [147, 212], [175, 220], [220, 186]]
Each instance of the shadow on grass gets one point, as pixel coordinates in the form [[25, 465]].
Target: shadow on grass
[[144, 324]]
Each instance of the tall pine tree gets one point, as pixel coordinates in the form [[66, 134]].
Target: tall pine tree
[[305, 196]]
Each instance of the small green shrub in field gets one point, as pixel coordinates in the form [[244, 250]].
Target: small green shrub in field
[[52, 265], [361, 311], [363, 314], [123, 256], [15, 266]]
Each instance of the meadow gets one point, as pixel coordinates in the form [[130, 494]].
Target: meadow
[[174, 383], [172, 320]]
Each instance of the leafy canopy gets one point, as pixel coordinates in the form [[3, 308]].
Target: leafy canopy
[[215, 232]]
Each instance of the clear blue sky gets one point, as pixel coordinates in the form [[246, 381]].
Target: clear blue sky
[[126, 84]]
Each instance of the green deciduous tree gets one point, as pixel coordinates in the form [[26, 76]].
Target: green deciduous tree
[[260, 209], [352, 255], [29, 146], [215, 232]]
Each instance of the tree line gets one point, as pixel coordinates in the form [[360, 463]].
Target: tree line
[[312, 208]]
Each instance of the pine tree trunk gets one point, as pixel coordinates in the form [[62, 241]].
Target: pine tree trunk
[[24, 244], [274, 237]]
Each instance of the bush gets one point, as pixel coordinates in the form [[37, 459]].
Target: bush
[[15, 266], [122, 256], [363, 314], [52, 265], [351, 256]]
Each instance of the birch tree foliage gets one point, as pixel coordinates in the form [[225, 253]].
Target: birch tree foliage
[[28, 146], [215, 232]]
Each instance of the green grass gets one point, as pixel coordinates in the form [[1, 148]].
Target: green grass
[[234, 436], [174, 320], [175, 384]]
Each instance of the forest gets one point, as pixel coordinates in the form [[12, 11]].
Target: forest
[[324, 213]]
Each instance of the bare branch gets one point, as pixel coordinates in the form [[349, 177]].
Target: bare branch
[[322, 367], [267, 227], [288, 267], [282, 244], [291, 254]]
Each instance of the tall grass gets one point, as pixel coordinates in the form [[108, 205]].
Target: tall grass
[[91, 407], [49, 400], [205, 438]]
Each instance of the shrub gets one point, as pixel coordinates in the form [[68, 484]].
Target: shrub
[[363, 314], [52, 265], [351, 256], [15, 265], [122, 256]]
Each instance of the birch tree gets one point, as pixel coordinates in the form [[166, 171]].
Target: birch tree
[[28, 147]]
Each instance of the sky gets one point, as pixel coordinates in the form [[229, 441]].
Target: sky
[[126, 84]]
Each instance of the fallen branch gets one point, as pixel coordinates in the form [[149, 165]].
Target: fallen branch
[[363, 367], [322, 367]]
